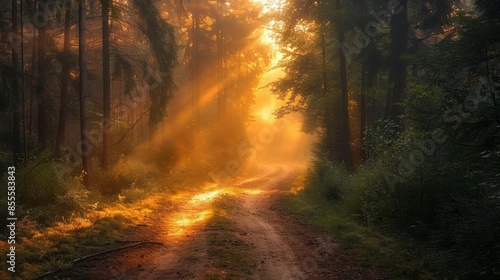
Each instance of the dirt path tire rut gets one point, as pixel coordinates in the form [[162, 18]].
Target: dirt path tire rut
[[280, 246]]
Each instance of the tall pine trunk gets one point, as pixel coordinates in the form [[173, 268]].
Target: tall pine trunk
[[61, 128], [106, 85], [219, 39], [82, 59], [195, 79], [366, 84], [397, 72], [330, 144], [23, 92], [41, 79], [344, 115], [15, 89], [195, 59]]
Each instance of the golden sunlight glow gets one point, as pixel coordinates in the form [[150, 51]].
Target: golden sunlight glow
[[296, 189], [205, 197], [195, 208], [270, 5], [266, 113], [187, 219], [253, 192]]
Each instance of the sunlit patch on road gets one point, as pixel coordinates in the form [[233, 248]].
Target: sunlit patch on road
[[194, 209], [253, 192], [183, 223], [205, 197], [296, 189]]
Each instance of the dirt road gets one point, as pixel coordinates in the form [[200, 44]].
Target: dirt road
[[254, 239]]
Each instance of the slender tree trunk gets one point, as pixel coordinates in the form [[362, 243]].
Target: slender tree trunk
[[61, 128], [23, 94], [15, 88], [362, 114], [196, 78], [32, 80], [106, 85], [397, 71], [363, 96], [344, 133], [220, 108], [329, 127], [40, 86], [323, 61], [85, 142]]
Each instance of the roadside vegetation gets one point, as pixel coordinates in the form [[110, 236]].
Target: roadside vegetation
[[63, 221], [426, 228], [406, 108]]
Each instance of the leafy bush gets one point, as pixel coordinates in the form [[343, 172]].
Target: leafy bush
[[125, 174], [368, 198], [380, 136], [38, 181], [326, 179]]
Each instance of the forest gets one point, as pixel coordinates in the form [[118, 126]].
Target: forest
[[228, 139]]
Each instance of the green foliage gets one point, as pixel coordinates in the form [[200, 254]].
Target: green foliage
[[379, 249], [326, 179], [130, 173], [380, 136], [134, 193], [160, 35], [369, 199], [38, 182]]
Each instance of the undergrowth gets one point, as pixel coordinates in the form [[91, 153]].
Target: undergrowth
[[60, 221], [380, 249], [424, 227]]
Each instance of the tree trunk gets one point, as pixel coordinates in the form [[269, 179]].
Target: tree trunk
[[85, 142], [195, 56], [15, 89], [331, 144], [220, 102], [23, 95], [40, 86], [61, 128], [32, 83], [363, 96], [397, 71], [344, 133], [362, 115], [106, 85]]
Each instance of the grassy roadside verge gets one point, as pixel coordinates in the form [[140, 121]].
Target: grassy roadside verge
[[41, 249], [59, 220], [378, 248], [229, 257]]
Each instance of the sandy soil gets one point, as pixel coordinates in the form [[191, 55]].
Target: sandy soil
[[282, 247]]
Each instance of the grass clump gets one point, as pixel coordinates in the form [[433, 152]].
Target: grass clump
[[229, 254]]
